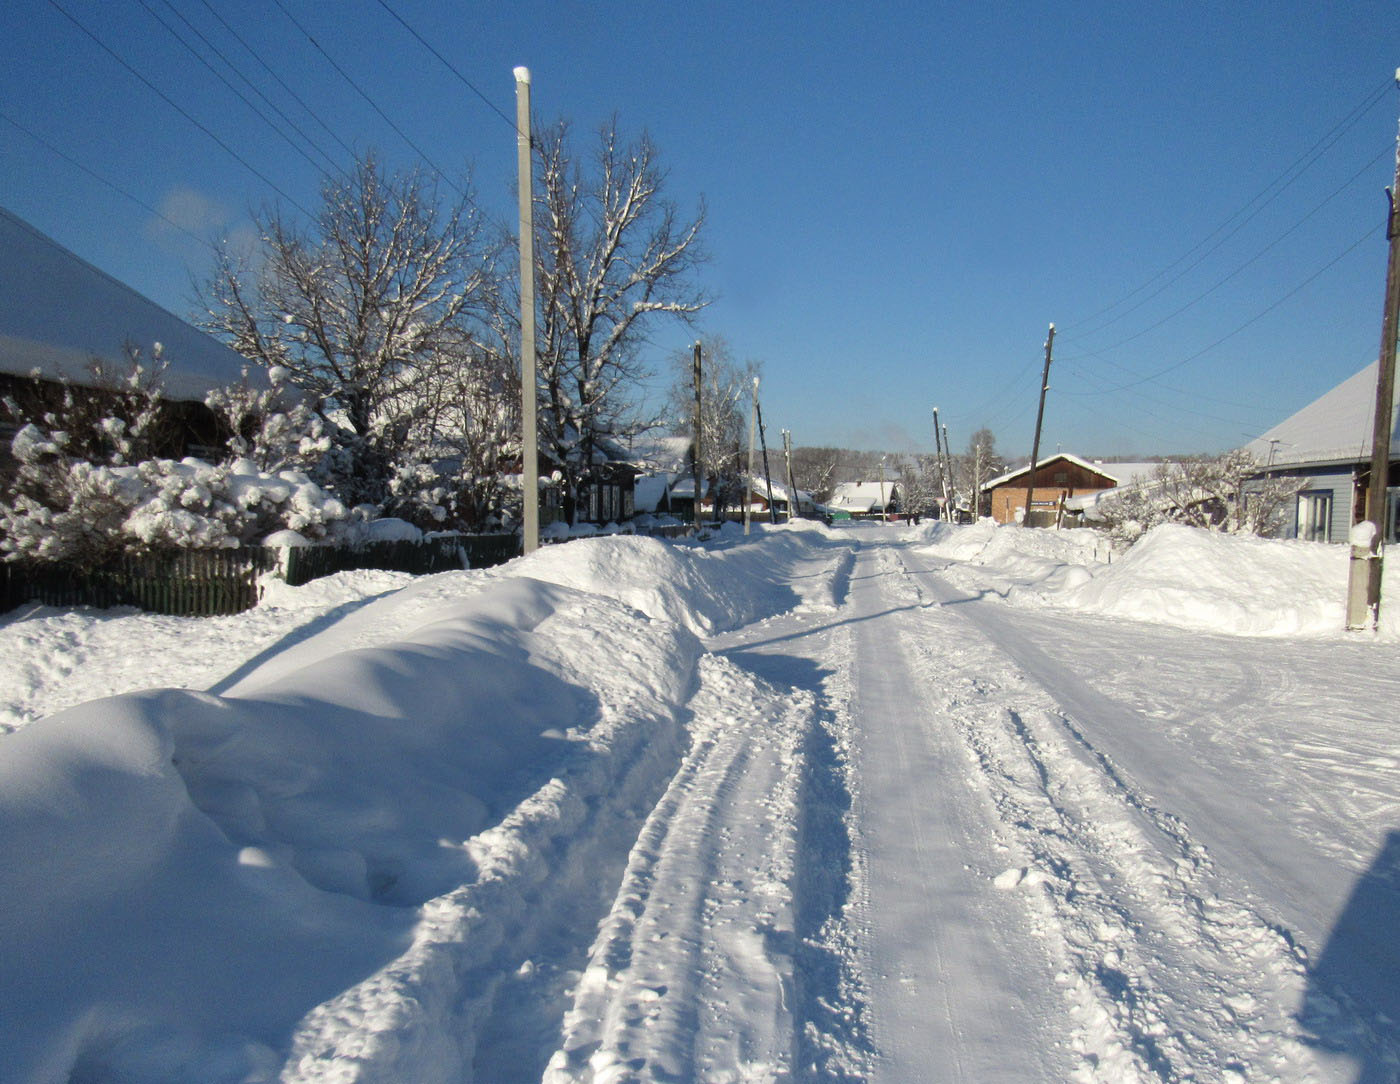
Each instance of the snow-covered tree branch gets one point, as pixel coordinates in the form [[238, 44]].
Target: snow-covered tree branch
[[613, 256]]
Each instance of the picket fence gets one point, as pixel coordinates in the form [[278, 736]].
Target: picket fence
[[204, 583]]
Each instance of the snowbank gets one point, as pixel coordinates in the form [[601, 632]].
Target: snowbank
[[1224, 583], [387, 783], [1174, 575]]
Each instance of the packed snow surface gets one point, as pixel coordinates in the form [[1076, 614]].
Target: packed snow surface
[[934, 803]]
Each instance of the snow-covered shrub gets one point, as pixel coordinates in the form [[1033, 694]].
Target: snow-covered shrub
[[67, 509], [275, 428], [1218, 493]]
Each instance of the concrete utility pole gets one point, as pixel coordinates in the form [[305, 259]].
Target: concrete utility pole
[[748, 488], [1039, 417], [699, 428], [1368, 536], [884, 512], [952, 485], [793, 503], [767, 474], [529, 438]]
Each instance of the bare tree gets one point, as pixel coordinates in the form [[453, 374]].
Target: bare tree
[[817, 470], [363, 307], [612, 257], [976, 466], [725, 389]]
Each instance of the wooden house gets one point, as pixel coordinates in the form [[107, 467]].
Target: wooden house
[[1057, 479]]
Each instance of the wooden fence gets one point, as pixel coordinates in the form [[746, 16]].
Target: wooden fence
[[187, 582], [202, 583]]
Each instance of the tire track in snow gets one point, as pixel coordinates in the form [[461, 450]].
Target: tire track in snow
[[689, 977], [1166, 980]]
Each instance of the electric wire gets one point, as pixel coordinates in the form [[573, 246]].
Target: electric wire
[[370, 101], [1282, 181], [277, 78], [1241, 267], [1253, 319], [179, 108], [54, 149], [448, 64], [301, 150]]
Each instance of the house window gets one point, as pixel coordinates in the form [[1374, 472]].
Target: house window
[[1392, 515], [1062, 478], [1315, 515]]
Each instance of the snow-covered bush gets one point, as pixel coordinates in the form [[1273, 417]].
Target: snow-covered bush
[[1218, 493], [63, 508], [274, 427]]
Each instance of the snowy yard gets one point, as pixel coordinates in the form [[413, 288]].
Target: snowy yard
[[897, 804]]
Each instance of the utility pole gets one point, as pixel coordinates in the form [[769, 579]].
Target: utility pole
[[793, 503], [952, 484], [767, 474], [884, 511], [699, 428], [976, 480], [1039, 417], [938, 459], [529, 437], [1368, 537], [748, 488]]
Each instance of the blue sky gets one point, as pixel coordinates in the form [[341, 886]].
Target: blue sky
[[901, 197]]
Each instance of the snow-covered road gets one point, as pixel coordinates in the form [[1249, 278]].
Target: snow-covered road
[[861, 805], [1076, 848]]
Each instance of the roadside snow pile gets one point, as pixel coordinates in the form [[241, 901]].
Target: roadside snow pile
[[1012, 560], [330, 864], [52, 659], [1223, 583], [1174, 575], [707, 588]]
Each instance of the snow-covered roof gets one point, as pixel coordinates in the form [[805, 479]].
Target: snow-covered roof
[[1335, 428], [862, 496], [661, 453], [58, 313], [1111, 471]]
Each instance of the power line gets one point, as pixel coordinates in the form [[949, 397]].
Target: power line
[[179, 109], [1267, 195], [1252, 259], [372, 104], [233, 89], [101, 179], [279, 80], [1255, 318], [448, 64]]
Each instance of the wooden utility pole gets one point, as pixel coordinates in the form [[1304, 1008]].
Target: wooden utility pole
[[1368, 537], [976, 480], [529, 438], [793, 503], [938, 459], [699, 428], [767, 474], [748, 488], [1039, 417]]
